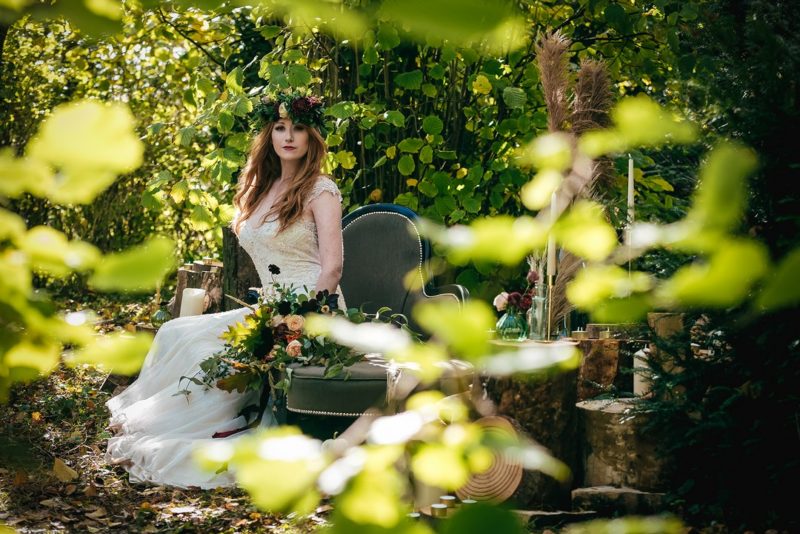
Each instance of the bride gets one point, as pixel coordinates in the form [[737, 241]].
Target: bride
[[289, 215]]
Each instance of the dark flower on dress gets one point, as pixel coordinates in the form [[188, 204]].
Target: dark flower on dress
[[274, 269], [331, 300], [265, 342], [281, 331], [309, 306]]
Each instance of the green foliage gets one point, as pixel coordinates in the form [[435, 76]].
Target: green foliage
[[32, 332]]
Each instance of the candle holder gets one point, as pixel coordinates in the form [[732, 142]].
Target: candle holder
[[550, 283]]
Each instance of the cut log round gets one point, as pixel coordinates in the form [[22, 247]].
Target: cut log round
[[505, 480]]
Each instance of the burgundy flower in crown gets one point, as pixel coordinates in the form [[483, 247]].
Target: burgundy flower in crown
[[302, 109]]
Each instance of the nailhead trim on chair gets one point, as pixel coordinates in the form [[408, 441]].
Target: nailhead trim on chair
[[419, 242], [323, 412]]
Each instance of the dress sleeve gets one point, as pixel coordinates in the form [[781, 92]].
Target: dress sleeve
[[324, 184]]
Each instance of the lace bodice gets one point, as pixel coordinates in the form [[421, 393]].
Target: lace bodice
[[295, 250]]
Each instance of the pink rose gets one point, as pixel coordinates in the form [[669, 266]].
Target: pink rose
[[295, 322], [294, 349], [501, 301]]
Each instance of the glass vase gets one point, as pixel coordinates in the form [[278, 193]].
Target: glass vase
[[512, 326], [537, 314]]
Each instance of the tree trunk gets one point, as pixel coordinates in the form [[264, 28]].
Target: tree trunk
[[238, 272]]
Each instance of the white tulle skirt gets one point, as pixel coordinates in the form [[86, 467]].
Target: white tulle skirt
[[157, 430]]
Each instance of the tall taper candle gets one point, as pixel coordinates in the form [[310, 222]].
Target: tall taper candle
[[630, 191], [551, 241]]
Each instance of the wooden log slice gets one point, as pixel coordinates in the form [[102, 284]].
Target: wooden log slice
[[501, 481]]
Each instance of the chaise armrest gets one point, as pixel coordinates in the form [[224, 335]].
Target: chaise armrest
[[460, 292]]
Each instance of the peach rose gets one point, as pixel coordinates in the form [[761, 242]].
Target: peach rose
[[294, 349], [278, 319], [295, 322]]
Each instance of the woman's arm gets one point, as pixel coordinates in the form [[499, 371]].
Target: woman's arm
[[327, 213]]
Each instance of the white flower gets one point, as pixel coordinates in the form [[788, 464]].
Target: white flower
[[501, 301], [282, 111], [276, 320]]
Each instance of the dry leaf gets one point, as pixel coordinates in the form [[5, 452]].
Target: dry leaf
[[20, 479], [99, 513], [70, 489], [51, 503], [63, 472], [182, 509], [36, 417], [90, 490]]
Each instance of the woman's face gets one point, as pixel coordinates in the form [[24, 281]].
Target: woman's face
[[290, 140]]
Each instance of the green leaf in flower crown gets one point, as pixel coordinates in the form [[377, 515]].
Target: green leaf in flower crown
[[409, 80], [140, 268]]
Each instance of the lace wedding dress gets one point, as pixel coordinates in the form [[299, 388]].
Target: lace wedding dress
[[157, 430]]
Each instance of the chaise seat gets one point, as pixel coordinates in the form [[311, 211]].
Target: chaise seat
[[382, 244]]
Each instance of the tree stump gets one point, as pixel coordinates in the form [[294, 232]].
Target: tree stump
[[238, 272], [201, 275], [616, 449], [545, 409]]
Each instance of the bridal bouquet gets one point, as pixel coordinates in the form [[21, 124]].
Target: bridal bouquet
[[260, 347]]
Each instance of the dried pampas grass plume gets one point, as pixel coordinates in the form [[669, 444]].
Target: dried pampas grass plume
[[551, 56]]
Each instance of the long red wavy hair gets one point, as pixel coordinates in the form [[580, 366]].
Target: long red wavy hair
[[263, 170]]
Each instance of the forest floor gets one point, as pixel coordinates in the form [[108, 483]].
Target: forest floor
[[54, 477]]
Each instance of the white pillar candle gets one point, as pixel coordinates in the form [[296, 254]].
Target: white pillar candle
[[551, 240], [192, 301]]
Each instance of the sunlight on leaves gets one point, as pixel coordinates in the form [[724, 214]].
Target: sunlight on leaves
[[552, 151], [597, 283], [122, 353], [502, 239], [722, 194], [21, 175], [439, 465], [137, 269], [721, 281], [781, 288], [536, 194], [364, 505], [482, 517], [463, 328], [364, 337], [41, 358], [91, 143], [329, 17], [531, 359], [585, 232], [638, 121], [51, 252], [640, 525]]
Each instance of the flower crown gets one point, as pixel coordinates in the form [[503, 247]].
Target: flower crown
[[299, 108]]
